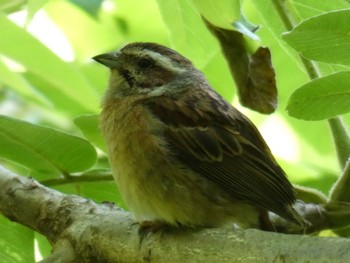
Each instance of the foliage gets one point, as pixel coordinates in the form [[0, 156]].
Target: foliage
[[51, 92]]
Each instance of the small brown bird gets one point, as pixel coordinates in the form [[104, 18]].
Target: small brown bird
[[180, 153]]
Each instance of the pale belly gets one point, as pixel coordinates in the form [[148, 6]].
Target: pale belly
[[155, 186]]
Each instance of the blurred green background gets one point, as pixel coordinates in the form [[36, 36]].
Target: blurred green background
[[47, 77]]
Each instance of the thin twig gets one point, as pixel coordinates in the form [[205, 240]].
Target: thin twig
[[77, 179]]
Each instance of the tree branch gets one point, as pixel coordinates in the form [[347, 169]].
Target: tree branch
[[90, 232]]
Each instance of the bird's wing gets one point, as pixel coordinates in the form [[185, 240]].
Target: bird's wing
[[218, 142]]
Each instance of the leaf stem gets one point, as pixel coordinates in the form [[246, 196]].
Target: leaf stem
[[340, 190], [289, 22], [339, 130], [341, 138]]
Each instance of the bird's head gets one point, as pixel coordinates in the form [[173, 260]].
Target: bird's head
[[148, 69]]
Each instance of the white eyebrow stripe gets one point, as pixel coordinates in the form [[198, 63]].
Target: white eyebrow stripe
[[164, 61], [159, 59]]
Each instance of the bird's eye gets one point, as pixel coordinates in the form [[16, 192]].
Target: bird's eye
[[145, 63]]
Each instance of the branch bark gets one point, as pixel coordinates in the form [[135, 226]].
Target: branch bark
[[83, 231]]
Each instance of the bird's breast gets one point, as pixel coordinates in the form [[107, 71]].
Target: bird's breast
[[137, 152], [131, 130]]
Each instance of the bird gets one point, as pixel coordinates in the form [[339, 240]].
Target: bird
[[180, 154]]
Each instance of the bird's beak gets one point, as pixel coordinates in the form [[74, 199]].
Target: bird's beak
[[109, 60]]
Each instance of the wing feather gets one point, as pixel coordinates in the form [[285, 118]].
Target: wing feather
[[218, 142]]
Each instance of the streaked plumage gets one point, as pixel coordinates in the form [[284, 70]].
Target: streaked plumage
[[179, 152]]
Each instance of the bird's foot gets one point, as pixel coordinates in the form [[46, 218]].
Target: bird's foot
[[147, 227]]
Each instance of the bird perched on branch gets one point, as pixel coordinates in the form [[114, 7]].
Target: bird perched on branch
[[180, 154]]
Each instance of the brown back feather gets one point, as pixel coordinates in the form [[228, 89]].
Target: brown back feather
[[225, 147]]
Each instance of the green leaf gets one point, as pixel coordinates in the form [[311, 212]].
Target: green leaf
[[44, 245], [33, 7], [322, 98], [89, 125], [299, 10], [309, 8], [16, 242], [323, 38], [87, 35], [136, 25], [59, 101], [37, 58], [91, 7], [221, 13], [272, 21], [226, 14], [18, 83], [44, 149], [10, 6], [187, 31]]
